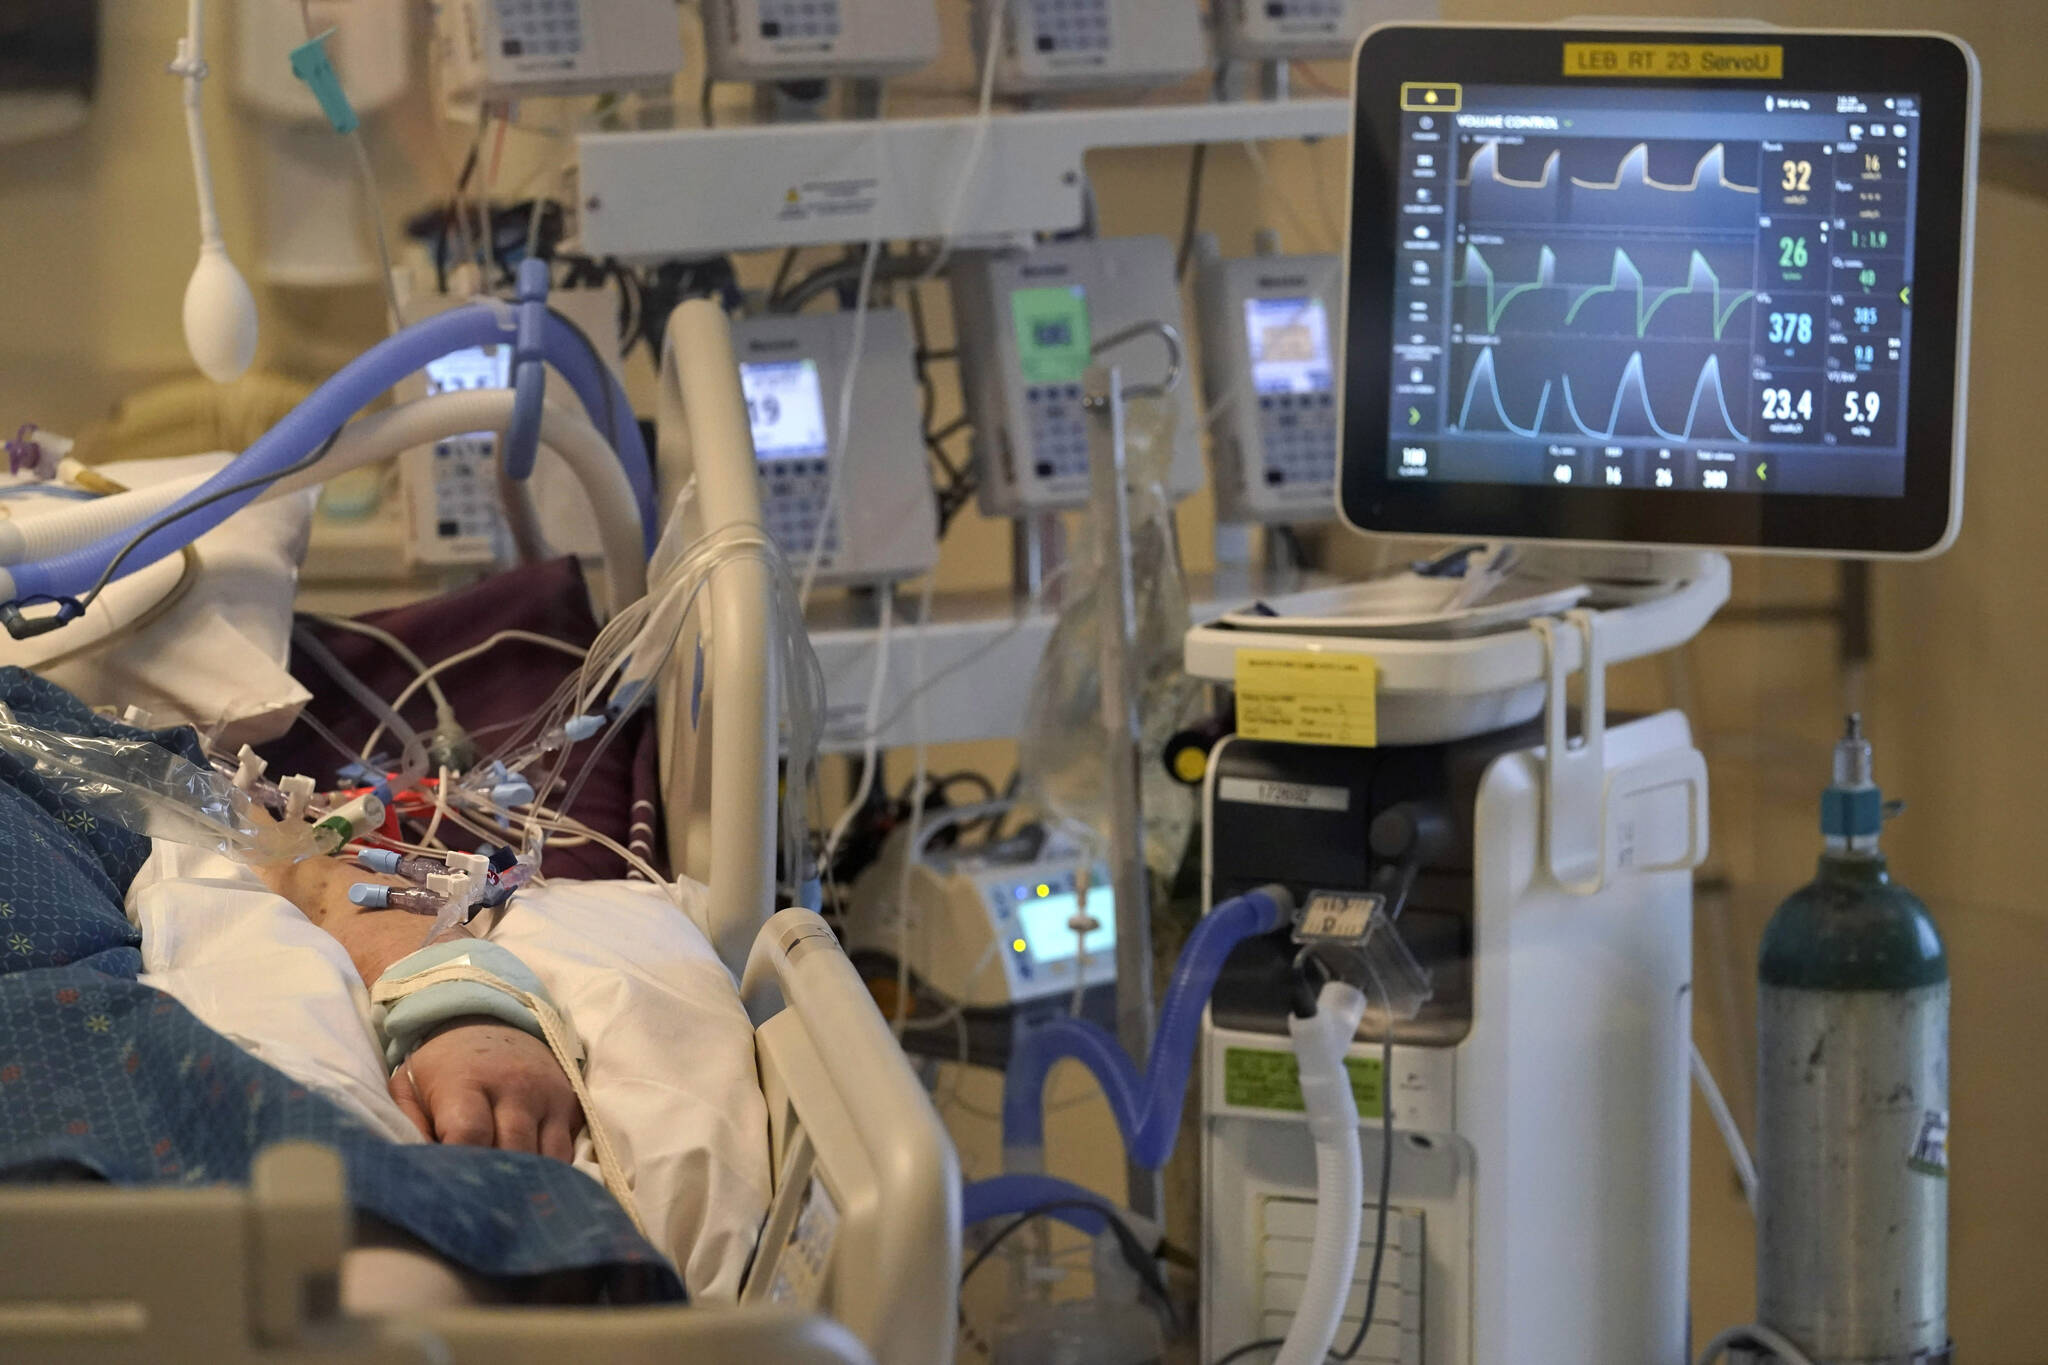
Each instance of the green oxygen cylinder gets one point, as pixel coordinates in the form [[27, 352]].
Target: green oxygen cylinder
[[1852, 1101]]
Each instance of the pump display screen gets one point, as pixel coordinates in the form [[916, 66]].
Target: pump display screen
[[478, 367], [785, 407], [1619, 279], [1053, 337], [1290, 344], [1043, 920]]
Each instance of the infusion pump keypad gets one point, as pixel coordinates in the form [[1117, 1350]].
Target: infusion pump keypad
[[1063, 26], [1059, 431], [793, 494], [1299, 432], [540, 28], [465, 488], [800, 18]]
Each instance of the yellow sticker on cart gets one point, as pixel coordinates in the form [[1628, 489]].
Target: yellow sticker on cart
[[1677, 61], [1301, 698]]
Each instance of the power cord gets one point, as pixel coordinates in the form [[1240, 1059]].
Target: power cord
[[1134, 1252]]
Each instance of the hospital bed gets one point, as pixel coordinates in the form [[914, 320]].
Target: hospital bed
[[859, 1257]]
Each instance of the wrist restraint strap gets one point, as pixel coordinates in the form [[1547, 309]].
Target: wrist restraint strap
[[469, 977]]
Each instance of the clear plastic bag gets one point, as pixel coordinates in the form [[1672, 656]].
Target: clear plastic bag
[[1064, 748], [143, 787]]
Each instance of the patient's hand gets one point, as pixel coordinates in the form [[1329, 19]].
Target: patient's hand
[[479, 1083], [474, 1081]]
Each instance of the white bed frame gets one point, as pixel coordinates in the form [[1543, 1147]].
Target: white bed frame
[[859, 1259]]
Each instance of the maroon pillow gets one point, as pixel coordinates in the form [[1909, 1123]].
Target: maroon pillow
[[491, 694]]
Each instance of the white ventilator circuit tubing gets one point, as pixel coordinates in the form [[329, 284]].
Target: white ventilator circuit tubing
[[368, 440], [1321, 1042]]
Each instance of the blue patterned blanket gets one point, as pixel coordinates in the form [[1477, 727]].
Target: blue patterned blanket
[[101, 1074]]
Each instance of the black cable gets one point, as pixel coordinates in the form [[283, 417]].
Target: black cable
[[72, 608], [1379, 1242], [1263, 1344], [782, 272], [1134, 1252], [1191, 216], [953, 471], [988, 788]]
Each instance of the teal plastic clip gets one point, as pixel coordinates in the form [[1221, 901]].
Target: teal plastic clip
[[311, 65]]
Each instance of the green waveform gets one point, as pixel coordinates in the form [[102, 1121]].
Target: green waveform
[[1700, 278]]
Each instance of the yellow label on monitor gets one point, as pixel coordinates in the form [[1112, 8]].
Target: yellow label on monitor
[[1302, 698], [1678, 61]]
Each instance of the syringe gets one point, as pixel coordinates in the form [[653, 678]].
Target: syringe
[[411, 899], [413, 867]]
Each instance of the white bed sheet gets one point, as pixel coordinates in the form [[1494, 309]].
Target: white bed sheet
[[671, 1065], [218, 660]]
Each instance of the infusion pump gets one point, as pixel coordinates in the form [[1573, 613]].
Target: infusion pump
[[1051, 45], [1279, 30], [453, 509], [453, 506], [883, 523], [1269, 370], [506, 49], [1028, 322], [768, 40]]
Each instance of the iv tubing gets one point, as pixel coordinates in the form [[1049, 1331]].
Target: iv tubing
[[191, 67], [1147, 1107], [354, 386]]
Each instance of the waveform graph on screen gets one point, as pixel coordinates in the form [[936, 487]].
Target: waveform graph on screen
[[1683, 184], [1601, 391], [1580, 289]]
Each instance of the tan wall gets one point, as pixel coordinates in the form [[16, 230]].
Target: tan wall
[[98, 234]]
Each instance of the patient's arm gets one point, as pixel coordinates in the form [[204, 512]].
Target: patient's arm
[[473, 1081]]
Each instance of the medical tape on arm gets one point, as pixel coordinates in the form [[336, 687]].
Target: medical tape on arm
[[456, 971]]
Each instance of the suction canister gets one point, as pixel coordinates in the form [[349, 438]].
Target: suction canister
[[1852, 1100]]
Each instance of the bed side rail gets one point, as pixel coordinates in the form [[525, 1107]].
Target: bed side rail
[[249, 1275], [720, 805], [866, 1221]]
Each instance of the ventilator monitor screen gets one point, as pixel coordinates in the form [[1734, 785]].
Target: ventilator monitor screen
[[1622, 280], [1290, 344], [786, 408]]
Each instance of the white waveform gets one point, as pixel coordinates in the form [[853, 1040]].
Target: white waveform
[[1638, 162], [1632, 379]]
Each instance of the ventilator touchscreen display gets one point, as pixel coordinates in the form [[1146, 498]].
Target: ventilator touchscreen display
[[1656, 289]]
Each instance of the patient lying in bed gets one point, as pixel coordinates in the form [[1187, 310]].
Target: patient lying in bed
[[243, 1019], [473, 1080]]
